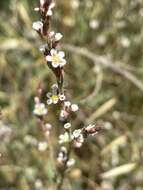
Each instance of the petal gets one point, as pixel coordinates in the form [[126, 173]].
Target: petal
[[49, 101], [49, 12], [49, 58], [55, 65], [52, 6], [49, 94], [61, 54], [62, 63], [53, 51], [58, 36]]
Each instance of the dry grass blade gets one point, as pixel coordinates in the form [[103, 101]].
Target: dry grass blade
[[115, 143], [24, 15], [120, 170], [105, 62], [13, 43], [102, 110]]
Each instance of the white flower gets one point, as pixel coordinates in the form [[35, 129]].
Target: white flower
[[67, 125], [50, 12], [62, 156], [58, 36], [78, 138], [76, 133], [70, 162], [48, 126], [52, 99], [42, 146], [64, 138], [63, 114], [62, 97], [57, 58], [40, 109], [74, 107], [67, 104], [37, 25]]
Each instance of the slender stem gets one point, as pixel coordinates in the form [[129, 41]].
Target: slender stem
[[59, 187]]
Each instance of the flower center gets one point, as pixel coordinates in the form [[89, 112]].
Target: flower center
[[56, 58], [54, 98]]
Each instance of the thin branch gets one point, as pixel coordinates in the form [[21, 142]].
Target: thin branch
[[104, 61]]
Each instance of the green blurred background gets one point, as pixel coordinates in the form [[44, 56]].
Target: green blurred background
[[111, 29]]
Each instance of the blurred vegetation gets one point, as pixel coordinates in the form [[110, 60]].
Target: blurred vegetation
[[112, 160]]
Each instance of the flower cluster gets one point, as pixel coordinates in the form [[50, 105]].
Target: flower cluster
[[68, 107], [56, 61], [55, 58]]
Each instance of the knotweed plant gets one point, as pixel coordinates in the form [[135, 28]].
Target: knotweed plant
[[56, 62]]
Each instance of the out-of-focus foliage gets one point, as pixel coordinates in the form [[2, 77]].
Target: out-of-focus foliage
[[113, 160]]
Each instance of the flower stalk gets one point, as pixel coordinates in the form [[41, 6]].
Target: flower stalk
[[55, 60]]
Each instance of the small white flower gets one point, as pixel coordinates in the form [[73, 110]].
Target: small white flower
[[62, 115], [78, 138], [42, 146], [40, 109], [58, 36], [76, 133], [67, 104], [70, 162], [53, 99], [62, 97], [64, 138], [74, 107], [62, 156], [77, 144], [37, 25], [48, 126], [56, 58], [67, 125], [50, 12]]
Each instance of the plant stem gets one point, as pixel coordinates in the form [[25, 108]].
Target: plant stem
[[60, 184]]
